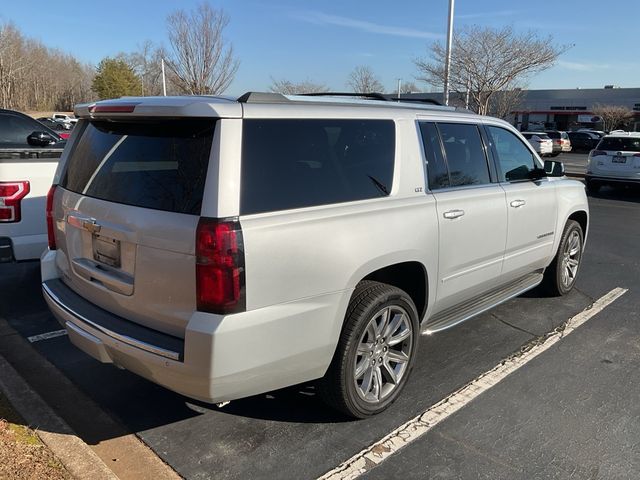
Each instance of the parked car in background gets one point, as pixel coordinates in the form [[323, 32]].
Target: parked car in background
[[583, 141], [62, 129], [63, 118], [209, 245], [598, 133], [29, 155], [540, 141], [615, 161], [561, 141]]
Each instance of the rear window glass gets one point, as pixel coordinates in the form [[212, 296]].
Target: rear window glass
[[620, 143], [160, 164], [289, 163]]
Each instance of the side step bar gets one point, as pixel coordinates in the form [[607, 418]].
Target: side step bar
[[480, 304]]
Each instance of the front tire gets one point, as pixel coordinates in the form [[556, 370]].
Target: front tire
[[560, 276], [375, 353]]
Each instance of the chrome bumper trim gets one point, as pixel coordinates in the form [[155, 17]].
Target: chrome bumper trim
[[123, 338]]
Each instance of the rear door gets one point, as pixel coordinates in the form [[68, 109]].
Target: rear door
[[531, 205], [131, 195], [471, 211]]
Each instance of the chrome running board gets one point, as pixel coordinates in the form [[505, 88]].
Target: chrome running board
[[459, 313]]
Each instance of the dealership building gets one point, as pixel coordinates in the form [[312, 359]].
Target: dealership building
[[565, 109]]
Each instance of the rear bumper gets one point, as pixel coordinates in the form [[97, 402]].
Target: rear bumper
[[612, 179], [221, 357], [22, 247]]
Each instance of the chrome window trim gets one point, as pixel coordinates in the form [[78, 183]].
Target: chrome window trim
[[123, 338]]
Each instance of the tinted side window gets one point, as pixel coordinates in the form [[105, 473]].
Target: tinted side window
[[436, 166], [15, 130], [465, 154], [514, 158], [295, 163], [160, 164]]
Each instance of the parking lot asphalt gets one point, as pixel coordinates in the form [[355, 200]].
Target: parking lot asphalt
[[570, 413]]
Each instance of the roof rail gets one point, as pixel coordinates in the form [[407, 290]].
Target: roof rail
[[262, 97], [272, 97], [428, 101], [370, 95]]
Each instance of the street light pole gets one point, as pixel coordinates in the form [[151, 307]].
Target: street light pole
[[399, 86], [447, 62], [164, 81]]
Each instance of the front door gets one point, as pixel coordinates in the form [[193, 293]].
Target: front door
[[531, 205]]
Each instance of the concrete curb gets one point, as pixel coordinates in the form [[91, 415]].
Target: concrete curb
[[73, 453]]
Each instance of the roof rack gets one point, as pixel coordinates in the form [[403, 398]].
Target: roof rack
[[272, 97], [370, 95]]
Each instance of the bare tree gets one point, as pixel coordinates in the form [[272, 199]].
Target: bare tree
[[504, 102], [363, 80], [36, 77], [485, 60], [200, 57], [146, 63], [613, 116], [409, 87], [287, 87]]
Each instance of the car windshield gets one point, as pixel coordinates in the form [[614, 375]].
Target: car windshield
[[620, 144]]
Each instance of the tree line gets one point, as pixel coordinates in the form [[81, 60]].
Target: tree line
[[36, 77]]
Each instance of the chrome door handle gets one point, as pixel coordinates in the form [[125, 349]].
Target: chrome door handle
[[451, 214], [517, 203]]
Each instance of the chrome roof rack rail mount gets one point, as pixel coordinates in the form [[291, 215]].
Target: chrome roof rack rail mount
[[361, 99]]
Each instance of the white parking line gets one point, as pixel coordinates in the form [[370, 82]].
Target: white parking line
[[418, 426], [47, 336]]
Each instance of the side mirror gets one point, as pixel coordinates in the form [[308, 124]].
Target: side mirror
[[553, 168], [41, 139]]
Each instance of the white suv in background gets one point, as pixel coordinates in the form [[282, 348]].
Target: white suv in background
[[615, 161], [541, 142], [225, 248]]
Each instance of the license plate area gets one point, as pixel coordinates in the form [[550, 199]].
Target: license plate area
[[618, 159], [106, 250]]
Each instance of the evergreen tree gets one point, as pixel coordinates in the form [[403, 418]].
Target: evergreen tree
[[115, 78]]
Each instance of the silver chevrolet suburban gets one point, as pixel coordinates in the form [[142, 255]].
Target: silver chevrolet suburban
[[224, 248]]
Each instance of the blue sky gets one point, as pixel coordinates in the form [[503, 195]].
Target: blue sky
[[324, 41]]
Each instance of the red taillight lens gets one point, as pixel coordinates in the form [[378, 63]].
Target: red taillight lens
[[11, 193], [111, 108], [220, 278], [596, 153], [49, 213]]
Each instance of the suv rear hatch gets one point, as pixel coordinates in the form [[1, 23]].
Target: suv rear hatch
[[130, 197], [618, 155]]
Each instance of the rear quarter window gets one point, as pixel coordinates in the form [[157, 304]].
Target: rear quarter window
[[158, 164], [296, 163]]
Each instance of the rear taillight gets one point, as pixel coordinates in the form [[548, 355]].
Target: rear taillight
[[596, 153], [558, 142], [49, 214], [220, 277], [11, 193], [113, 108]]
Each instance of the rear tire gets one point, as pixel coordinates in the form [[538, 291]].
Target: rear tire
[[560, 276], [375, 353]]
